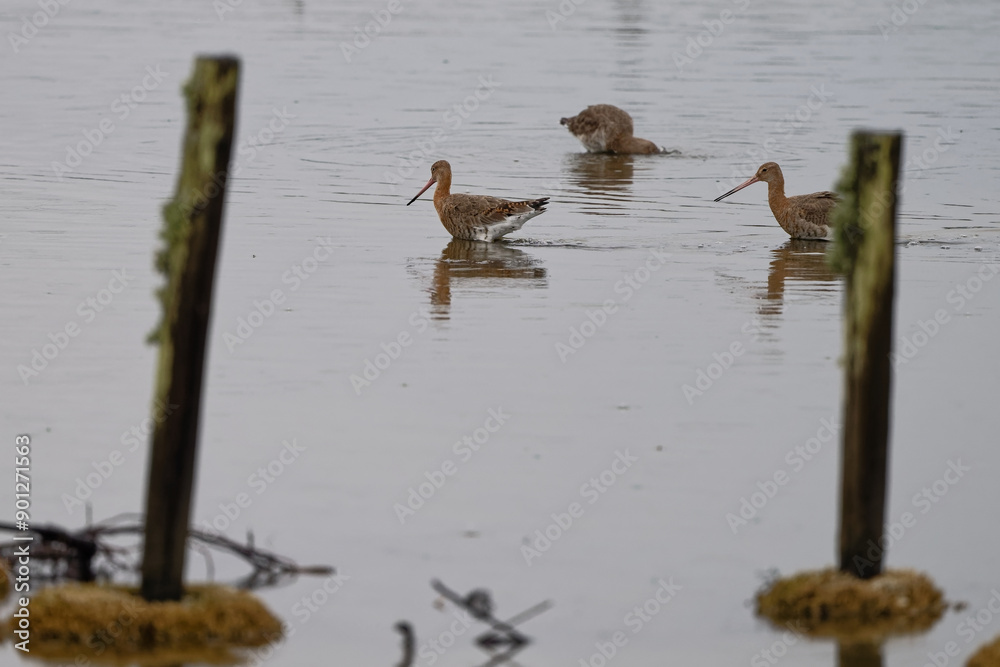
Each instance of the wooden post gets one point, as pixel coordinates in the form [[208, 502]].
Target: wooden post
[[191, 231], [859, 655], [865, 251]]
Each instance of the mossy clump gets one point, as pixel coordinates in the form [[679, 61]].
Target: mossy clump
[[987, 655], [830, 603], [113, 625]]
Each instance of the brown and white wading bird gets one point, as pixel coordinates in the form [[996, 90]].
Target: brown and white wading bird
[[802, 216], [604, 128], [477, 217]]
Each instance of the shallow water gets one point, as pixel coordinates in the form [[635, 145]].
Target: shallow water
[[632, 259]]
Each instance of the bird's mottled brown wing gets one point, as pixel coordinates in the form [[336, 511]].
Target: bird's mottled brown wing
[[822, 196], [816, 207], [808, 216], [485, 210]]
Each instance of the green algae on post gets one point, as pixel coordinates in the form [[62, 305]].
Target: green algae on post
[[844, 221], [209, 97], [868, 189], [113, 625], [829, 603]]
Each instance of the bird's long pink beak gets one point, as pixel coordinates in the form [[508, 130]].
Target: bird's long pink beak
[[736, 189], [429, 184]]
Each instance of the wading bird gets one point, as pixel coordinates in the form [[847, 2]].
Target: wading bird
[[604, 128], [477, 217], [802, 216]]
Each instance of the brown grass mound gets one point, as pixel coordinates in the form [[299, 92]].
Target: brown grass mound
[[114, 625], [4, 581], [987, 655], [830, 603]]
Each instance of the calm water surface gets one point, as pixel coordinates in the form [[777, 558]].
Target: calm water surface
[[579, 334]]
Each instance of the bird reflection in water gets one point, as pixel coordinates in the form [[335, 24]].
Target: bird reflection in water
[[479, 263], [600, 172], [604, 180], [630, 33], [799, 260]]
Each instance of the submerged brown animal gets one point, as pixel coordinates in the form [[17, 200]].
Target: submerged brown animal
[[802, 216], [477, 217], [604, 128]]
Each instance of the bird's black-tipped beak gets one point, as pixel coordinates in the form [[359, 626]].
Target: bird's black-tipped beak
[[429, 184], [738, 188]]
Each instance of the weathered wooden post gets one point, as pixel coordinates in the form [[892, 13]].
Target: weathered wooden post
[[864, 654], [191, 231], [865, 224]]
